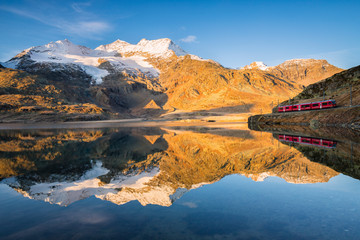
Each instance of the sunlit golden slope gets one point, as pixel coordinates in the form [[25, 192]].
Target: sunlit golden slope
[[304, 71], [197, 85]]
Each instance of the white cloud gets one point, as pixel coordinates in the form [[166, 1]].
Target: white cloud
[[189, 39], [85, 27], [21, 13], [79, 7]]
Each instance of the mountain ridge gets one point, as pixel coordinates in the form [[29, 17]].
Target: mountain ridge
[[307, 70], [125, 78]]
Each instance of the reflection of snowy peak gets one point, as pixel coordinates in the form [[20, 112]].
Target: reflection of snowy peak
[[66, 55], [158, 48], [120, 190]]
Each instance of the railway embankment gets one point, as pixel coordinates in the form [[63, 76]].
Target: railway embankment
[[348, 117]]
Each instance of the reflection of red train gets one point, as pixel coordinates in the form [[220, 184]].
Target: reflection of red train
[[307, 106], [308, 140]]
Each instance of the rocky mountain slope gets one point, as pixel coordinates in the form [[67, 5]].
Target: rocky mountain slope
[[343, 87], [29, 96], [336, 87], [154, 77]]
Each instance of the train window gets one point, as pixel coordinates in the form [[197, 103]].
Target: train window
[[307, 105], [315, 105], [325, 103]]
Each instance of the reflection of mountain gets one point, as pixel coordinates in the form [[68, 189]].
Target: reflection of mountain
[[345, 158], [196, 158], [152, 166], [45, 152]]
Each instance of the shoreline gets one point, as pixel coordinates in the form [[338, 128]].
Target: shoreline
[[136, 122]]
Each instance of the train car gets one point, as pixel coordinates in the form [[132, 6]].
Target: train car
[[295, 107], [307, 106], [328, 143], [328, 104], [305, 140]]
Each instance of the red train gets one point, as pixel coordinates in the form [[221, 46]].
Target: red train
[[308, 140], [308, 106]]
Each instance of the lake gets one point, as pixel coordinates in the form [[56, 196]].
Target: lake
[[185, 182]]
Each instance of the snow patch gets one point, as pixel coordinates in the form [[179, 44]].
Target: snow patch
[[96, 73]]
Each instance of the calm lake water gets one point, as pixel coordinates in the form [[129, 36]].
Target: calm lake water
[[224, 182]]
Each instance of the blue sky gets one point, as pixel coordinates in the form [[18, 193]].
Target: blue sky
[[234, 33]]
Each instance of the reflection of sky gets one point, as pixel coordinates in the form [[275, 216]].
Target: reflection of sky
[[234, 206]]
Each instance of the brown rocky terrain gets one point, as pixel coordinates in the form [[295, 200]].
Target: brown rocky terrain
[[300, 71], [25, 96], [304, 71], [202, 85]]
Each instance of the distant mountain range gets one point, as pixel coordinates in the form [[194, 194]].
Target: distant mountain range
[[147, 79]]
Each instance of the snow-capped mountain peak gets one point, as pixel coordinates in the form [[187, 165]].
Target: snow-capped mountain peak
[[256, 65], [163, 47], [63, 47], [122, 57]]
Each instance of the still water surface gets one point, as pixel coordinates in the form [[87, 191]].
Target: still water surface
[[176, 183]]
